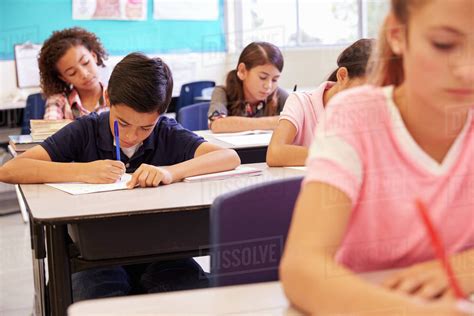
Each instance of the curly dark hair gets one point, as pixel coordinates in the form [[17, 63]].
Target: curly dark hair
[[55, 47]]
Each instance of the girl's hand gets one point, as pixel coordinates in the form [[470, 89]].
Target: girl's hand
[[426, 280], [150, 176], [102, 171]]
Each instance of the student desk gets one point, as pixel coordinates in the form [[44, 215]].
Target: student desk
[[173, 220], [248, 153], [265, 298]]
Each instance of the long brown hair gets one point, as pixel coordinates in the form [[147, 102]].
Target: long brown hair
[[55, 47], [386, 67], [255, 54]]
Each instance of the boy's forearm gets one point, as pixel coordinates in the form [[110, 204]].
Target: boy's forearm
[[26, 170], [239, 124], [215, 161]]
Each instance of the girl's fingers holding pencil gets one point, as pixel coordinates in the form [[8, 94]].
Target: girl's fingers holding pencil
[[426, 280]]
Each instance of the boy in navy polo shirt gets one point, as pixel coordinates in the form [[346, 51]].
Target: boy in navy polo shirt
[[155, 149]]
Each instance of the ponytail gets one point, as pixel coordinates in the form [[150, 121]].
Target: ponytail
[[386, 68], [235, 94]]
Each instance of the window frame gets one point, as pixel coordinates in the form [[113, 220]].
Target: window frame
[[236, 43]]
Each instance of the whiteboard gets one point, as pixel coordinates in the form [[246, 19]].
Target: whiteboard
[[26, 65]]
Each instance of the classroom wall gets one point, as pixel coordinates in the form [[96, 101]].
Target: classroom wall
[[185, 67], [304, 67]]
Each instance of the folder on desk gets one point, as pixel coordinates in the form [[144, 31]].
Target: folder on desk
[[239, 171]]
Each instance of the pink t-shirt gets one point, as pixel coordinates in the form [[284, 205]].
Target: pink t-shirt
[[304, 110], [364, 149]]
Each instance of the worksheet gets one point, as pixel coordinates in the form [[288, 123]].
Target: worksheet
[[77, 188]]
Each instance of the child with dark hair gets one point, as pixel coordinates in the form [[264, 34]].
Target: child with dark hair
[[156, 149], [251, 98], [68, 64], [302, 111]]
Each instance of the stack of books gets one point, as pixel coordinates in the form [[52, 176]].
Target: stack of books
[[42, 129], [22, 142]]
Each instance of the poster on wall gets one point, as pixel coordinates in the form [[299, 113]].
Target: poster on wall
[[202, 10], [133, 10]]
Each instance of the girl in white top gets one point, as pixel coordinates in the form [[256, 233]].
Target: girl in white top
[[302, 111], [408, 136]]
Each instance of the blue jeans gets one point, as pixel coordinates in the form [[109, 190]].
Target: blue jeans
[[155, 277]]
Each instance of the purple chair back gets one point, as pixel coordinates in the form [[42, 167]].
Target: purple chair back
[[248, 231]]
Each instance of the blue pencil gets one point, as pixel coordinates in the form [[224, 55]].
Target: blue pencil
[[117, 140]]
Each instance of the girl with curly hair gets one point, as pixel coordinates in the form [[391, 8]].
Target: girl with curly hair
[[68, 63]]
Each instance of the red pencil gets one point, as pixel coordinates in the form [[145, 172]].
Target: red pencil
[[438, 247]]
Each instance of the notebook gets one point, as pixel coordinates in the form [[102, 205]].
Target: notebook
[[239, 171], [246, 140], [76, 188]]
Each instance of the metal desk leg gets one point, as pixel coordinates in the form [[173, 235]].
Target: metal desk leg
[[21, 203], [39, 284], [60, 293], [38, 254]]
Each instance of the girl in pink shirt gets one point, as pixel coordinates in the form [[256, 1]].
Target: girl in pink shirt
[[380, 147], [68, 63], [302, 111]]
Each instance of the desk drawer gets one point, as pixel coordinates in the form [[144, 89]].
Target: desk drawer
[[141, 235]]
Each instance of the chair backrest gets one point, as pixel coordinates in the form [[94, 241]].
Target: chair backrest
[[194, 116], [34, 109], [189, 91], [248, 231]]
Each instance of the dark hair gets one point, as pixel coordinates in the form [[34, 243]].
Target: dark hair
[[354, 58], [142, 83], [55, 47], [254, 54]]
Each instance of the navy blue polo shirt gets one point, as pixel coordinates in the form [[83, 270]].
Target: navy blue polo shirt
[[89, 138]]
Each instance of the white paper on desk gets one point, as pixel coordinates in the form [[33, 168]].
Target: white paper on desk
[[302, 168], [252, 132], [246, 140], [77, 188], [241, 170]]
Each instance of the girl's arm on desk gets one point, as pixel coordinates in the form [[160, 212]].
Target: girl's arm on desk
[[208, 158], [312, 279], [281, 152], [232, 124], [35, 166]]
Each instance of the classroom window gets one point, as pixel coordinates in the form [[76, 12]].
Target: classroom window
[[308, 23]]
